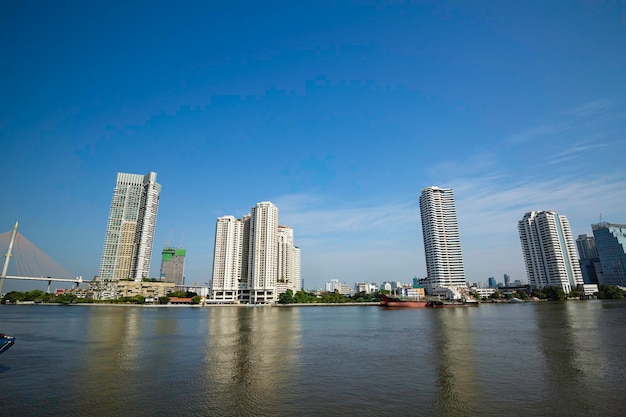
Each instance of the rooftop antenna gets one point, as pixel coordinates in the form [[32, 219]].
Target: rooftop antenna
[[181, 240]]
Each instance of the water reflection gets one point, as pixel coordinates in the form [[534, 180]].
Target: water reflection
[[538, 359], [458, 391], [252, 354], [113, 350], [571, 355]]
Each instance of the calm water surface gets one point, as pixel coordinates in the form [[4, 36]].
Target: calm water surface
[[533, 359]]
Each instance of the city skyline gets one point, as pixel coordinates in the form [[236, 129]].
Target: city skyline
[[337, 113]]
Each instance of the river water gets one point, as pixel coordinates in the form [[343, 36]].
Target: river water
[[532, 359]]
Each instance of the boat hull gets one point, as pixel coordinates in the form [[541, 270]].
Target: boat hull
[[387, 301], [406, 304]]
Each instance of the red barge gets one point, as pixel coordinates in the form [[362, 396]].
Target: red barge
[[393, 301]]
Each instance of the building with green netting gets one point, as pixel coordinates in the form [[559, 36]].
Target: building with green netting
[[173, 265]]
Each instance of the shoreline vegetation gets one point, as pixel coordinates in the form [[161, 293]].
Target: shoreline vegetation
[[301, 298]]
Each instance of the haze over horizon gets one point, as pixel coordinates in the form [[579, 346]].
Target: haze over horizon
[[337, 112]]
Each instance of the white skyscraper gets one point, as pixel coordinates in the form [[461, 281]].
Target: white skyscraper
[[288, 259], [263, 252], [296, 262], [442, 243], [227, 257], [254, 258], [128, 242], [549, 251]]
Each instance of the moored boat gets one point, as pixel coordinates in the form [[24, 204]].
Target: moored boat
[[6, 342], [393, 301]]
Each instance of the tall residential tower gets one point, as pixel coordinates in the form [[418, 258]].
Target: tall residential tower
[[442, 242], [130, 230], [228, 258], [263, 252], [549, 251], [254, 258]]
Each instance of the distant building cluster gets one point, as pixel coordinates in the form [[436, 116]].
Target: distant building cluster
[[335, 286], [412, 291], [551, 256], [603, 256], [254, 258]]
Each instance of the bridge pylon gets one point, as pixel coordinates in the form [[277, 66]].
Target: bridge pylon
[[7, 258]]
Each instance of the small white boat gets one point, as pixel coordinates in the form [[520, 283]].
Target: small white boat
[[515, 300]]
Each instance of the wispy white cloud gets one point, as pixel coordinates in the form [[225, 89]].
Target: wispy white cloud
[[577, 150], [477, 163], [581, 115], [487, 208], [375, 242], [488, 213], [537, 132], [591, 109], [314, 216], [381, 239]]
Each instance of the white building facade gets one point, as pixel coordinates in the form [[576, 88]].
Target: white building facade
[[549, 251], [263, 253], [227, 257], [297, 269], [442, 242], [254, 258], [131, 226], [288, 260]]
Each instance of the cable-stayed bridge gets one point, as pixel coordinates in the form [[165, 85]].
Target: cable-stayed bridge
[[24, 261]]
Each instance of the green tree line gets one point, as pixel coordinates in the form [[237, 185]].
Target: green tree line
[[39, 296], [305, 297]]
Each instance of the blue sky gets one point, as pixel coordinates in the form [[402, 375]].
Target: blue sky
[[338, 112]]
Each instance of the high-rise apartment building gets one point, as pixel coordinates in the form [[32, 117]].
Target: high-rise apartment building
[[442, 242], [173, 265], [285, 253], [288, 259], [228, 257], [128, 242], [297, 284], [549, 251], [263, 252], [254, 258], [588, 258], [611, 245]]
